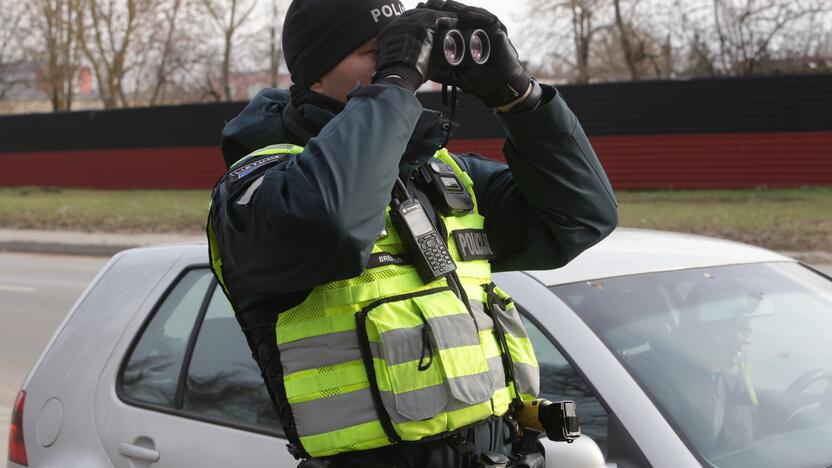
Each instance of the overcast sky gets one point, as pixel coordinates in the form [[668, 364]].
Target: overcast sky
[[502, 8]]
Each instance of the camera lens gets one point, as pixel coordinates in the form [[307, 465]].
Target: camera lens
[[454, 47], [480, 46]]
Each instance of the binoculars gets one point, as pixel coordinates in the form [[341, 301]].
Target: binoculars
[[459, 48]]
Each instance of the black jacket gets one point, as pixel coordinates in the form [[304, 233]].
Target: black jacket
[[314, 217]]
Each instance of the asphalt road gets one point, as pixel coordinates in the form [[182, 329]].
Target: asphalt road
[[36, 292]]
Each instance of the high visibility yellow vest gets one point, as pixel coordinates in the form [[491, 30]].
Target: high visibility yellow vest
[[383, 357]]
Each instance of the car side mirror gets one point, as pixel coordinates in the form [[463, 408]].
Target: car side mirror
[[582, 453]]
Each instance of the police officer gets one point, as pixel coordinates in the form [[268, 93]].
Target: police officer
[[357, 252]]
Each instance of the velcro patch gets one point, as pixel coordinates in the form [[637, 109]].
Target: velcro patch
[[383, 259], [473, 244], [251, 167]]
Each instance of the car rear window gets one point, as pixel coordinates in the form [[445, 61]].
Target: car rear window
[[224, 382], [152, 372], [194, 329]]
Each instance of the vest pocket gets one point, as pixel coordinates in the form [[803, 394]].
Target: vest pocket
[[514, 339], [456, 341], [423, 356]]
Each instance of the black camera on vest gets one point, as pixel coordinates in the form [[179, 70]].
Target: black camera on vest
[[460, 48]]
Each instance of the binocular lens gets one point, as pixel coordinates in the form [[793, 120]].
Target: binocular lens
[[480, 46], [454, 47]]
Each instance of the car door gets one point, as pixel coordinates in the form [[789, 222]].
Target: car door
[[186, 391]]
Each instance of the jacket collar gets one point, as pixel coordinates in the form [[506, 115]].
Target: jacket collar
[[308, 112]]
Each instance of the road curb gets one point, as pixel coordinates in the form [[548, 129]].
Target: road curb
[[100, 244]]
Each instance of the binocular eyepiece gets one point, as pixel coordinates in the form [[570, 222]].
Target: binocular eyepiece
[[465, 47]]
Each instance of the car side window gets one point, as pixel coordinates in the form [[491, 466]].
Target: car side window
[[151, 374], [560, 381], [223, 380]]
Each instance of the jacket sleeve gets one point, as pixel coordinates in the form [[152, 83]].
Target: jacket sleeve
[[315, 217], [553, 200]]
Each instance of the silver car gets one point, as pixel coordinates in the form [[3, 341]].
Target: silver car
[[679, 350]]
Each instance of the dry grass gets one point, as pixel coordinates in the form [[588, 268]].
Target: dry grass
[[795, 220], [104, 210]]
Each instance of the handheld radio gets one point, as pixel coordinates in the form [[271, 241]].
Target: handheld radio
[[428, 251]]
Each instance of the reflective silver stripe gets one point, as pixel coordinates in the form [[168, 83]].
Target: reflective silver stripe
[[400, 345], [250, 191], [417, 405], [319, 351], [428, 402], [511, 322], [495, 364], [484, 322], [476, 388], [454, 331], [333, 413], [406, 344], [350, 409], [527, 377]]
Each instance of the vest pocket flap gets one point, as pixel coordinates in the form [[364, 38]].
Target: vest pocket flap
[[408, 380], [456, 343]]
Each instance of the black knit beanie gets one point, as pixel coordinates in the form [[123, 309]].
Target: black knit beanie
[[317, 34]]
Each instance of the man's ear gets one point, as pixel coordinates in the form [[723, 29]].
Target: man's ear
[[318, 87]]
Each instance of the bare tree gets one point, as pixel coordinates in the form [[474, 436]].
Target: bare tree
[[171, 54], [11, 56], [625, 33], [566, 30], [275, 44], [111, 34], [744, 37], [169, 23], [228, 16], [584, 29], [54, 45]]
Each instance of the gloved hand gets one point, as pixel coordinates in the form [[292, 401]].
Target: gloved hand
[[404, 45], [502, 79]]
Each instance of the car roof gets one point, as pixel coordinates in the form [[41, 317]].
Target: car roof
[[627, 251]]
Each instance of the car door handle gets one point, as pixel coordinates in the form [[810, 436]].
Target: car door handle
[[139, 453]]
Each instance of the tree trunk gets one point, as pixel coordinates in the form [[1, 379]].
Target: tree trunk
[[626, 45]]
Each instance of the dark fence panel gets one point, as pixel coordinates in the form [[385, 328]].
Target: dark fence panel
[[148, 127], [726, 133]]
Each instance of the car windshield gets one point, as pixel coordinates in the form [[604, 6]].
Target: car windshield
[[737, 358]]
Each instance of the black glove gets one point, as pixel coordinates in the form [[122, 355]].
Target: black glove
[[404, 45], [502, 79]]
